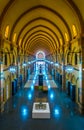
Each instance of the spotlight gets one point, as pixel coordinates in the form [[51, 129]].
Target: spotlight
[[51, 96], [46, 78], [29, 96], [24, 112], [32, 87], [33, 81], [56, 112], [47, 81], [48, 86]]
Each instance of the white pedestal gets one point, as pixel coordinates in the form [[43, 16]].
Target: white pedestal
[[41, 113]]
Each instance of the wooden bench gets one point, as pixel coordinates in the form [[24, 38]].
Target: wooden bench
[[45, 89], [38, 87], [41, 99]]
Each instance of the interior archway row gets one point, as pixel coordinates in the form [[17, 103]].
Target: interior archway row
[[26, 23]]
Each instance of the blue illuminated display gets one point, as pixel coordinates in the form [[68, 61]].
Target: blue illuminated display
[[46, 78], [51, 96], [69, 69], [51, 62], [24, 64], [44, 73], [57, 64], [29, 96], [33, 81], [56, 111], [49, 87], [24, 112], [32, 87], [47, 81], [35, 78], [12, 69]]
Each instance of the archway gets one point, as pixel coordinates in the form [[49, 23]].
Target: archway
[[40, 63]]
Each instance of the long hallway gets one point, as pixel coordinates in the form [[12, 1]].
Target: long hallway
[[17, 114], [41, 64]]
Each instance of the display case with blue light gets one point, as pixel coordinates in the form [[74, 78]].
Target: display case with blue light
[[24, 112], [56, 64], [57, 112], [29, 96], [12, 69], [69, 68], [41, 110], [51, 95], [49, 87], [24, 64], [32, 87]]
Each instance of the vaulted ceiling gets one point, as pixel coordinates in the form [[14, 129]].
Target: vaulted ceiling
[[41, 24]]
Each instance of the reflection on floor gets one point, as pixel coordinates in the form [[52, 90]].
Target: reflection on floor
[[18, 111], [51, 82]]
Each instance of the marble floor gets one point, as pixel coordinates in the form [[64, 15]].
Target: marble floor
[[17, 113]]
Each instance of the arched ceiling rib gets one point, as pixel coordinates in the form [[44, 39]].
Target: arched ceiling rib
[[49, 24], [4, 6], [42, 34], [40, 46], [37, 27], [53, 17], [42, 38], [78, 6], [46, 34]]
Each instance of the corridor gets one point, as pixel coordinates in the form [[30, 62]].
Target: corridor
[[17, 114], [41, 64]]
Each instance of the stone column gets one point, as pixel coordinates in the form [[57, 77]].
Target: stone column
[[63, 80], [63, 70], [1, 74], [81, 87], [0, 64]]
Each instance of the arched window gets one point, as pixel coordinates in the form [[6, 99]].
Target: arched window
[[40, 55], [66, 37], [7, 31], [40, 65], [74, 30]]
